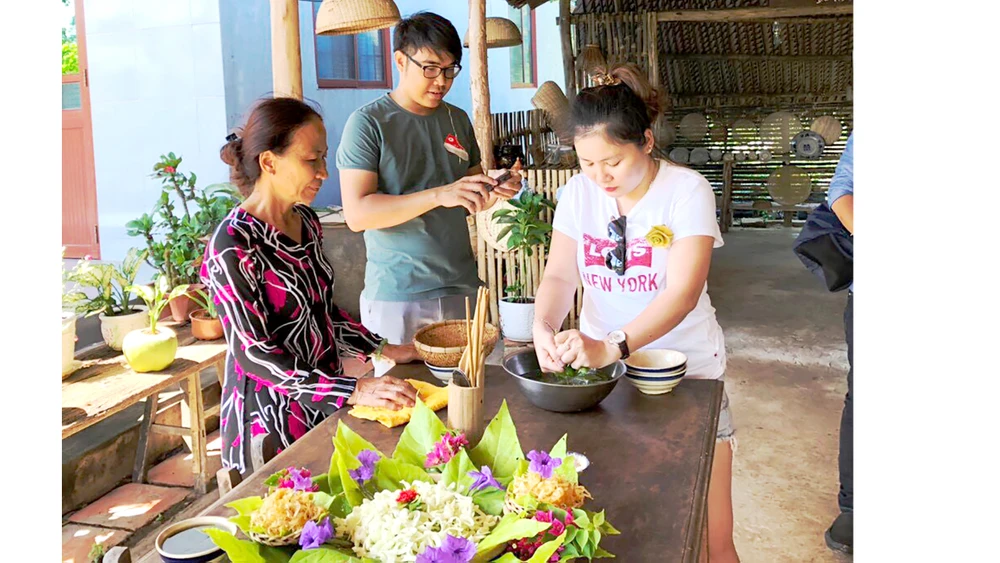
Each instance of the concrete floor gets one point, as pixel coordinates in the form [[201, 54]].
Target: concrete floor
[[786, 381]]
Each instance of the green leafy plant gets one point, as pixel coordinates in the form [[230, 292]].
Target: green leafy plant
[[113, 286], [181, 221], [96, 554], [205, 302], [527, 229], [157, 298]]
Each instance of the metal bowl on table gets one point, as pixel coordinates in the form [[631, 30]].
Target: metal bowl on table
[[523, 366]]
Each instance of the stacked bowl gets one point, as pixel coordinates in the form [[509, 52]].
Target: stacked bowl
[[655, 372]]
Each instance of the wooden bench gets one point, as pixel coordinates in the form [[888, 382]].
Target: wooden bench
[[105, 385]]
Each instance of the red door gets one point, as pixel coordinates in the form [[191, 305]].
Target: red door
[[79, 185]]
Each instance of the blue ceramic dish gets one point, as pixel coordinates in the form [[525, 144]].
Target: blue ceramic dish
[[210, 553]]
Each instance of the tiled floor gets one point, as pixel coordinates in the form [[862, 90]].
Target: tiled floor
[[115, 517]]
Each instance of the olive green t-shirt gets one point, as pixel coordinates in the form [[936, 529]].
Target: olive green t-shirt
[[429, 256]]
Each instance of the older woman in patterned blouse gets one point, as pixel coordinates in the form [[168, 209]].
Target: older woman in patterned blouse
[[274, 289]]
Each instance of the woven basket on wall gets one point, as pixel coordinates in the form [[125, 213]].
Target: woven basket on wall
[[829, 128], [550, 99], [778, 129], [487, 228], [349, 17], [442, 344], [500, 32], [789, 185], [693, 127]]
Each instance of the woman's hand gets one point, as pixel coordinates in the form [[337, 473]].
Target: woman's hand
[[579, 350], [545, 347], [385, 391], [401, 353]]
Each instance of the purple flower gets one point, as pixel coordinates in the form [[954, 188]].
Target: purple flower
[[460, 550], [368, 458], [542, 463], [301, 480], [483, 479], [314, 535], [433, 555]]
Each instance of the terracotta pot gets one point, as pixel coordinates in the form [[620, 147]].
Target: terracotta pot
[[180, 308], [204, 327]]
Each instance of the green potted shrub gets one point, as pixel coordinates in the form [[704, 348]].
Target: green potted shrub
[[205, 322], [155, 347], [178, 228], [109, 296], [528, 231]]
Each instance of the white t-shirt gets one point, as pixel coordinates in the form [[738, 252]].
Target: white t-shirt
[[678, 198]]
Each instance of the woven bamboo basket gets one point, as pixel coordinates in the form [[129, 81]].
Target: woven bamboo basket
[[829, 128], [442, 344], [693, 127], [743, 132], [487, 228], [291, 538], [349, 17], [550, 99], [778, 129], [789, 185], [500, 32]]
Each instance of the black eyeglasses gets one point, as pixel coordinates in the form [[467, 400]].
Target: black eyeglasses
[[433, 71], [615, 260]]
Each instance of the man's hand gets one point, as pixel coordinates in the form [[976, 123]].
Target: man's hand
[[469, 192], [509, 188]]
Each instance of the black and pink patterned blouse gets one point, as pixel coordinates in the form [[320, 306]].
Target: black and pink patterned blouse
[[284, 332]]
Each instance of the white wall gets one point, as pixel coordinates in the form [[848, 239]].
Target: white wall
[[156, 86]]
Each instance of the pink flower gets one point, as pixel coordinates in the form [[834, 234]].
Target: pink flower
[[169, 169], [88, 257]]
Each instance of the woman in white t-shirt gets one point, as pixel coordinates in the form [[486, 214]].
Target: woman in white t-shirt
[[639, 233]]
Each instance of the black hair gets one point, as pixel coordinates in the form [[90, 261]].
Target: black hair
[[427, 30], [270, 126], [624, 107]]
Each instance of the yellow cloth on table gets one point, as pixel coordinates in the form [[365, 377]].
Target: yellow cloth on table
[[434, 397]]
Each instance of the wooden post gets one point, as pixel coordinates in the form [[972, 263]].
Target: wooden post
[[569, 69], [481, 118], [726, 211], [653, 45], [286, 55]]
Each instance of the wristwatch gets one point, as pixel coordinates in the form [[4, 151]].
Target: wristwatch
[[617, 337]]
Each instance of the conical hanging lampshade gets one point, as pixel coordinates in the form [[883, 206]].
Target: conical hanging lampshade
[[590, 58], [348, 17], [500, 32]]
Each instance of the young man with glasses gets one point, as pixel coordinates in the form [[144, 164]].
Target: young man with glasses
[[410, 172]]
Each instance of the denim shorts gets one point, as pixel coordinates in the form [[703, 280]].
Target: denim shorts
[[727, 430]]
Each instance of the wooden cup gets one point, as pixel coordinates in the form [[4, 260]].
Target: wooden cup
[[465, 411]]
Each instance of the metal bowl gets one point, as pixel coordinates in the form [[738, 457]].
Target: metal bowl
[[554, 397]]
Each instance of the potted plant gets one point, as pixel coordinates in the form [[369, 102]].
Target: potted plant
[[110, 295], [177, 229], [528, 232], [153, 348], [68, 321], [205, 322]]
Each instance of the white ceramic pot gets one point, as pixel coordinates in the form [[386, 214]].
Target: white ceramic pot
[[114, 329], [68, 342], [516, 320]]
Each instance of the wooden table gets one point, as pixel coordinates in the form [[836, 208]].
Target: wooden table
[[651, 458], [105, 385]]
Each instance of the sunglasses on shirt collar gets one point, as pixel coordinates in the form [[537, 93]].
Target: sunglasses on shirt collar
[[616, 258]]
